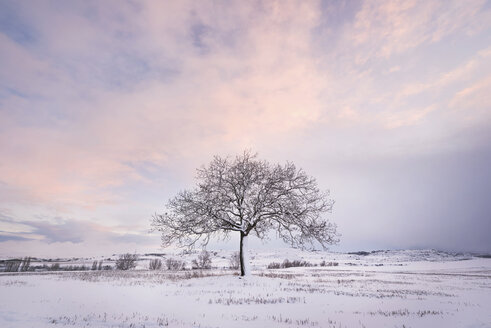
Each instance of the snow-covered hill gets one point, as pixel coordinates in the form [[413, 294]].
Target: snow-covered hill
[[380, 289], [261, 259]]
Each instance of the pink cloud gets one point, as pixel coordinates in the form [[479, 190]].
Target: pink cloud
[[98, 98], [393, 27]]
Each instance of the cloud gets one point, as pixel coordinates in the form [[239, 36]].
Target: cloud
[[409, 117], [475, 98], [394, 69], [107, 108], [88, 125], [394, 27], [8, 237], [58, 230], [462, 73]]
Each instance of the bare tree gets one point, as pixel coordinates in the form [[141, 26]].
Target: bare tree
[[234, 261], [126, 261], [175, 265], [26, 263], [203, 261], [247, 195], [12, 265], [155, 264]]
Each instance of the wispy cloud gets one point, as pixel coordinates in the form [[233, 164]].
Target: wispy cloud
[[106, 108], [58, 230], [391, 28]]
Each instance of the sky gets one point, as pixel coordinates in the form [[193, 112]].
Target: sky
[[108, 107]]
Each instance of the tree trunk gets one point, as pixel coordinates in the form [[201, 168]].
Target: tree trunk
[[242, 255]]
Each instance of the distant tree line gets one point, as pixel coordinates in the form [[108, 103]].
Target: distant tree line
[[17, 265], [24, 265], [124, 262], [298, 263]]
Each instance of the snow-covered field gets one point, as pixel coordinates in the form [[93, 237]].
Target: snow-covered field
[[381, 289]]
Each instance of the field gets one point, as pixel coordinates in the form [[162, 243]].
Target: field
[[380, 289]]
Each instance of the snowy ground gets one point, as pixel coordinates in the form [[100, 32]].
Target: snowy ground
[[382, 289]]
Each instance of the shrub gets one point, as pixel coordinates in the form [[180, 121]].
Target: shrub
[[155, 264], [54, 267], [289, 264], [274, 265], [94, 265], [324, 263], [73, 268], [126, 261], [295, 263], [174, 265], [203, 261], [58, 267], [234, 261]]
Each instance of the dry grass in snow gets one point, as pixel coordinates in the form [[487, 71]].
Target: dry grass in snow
[[408, 293]]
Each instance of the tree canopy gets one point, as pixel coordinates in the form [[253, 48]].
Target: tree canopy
[[247, 195]]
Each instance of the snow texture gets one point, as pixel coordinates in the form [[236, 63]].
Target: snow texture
[[380, 289]]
